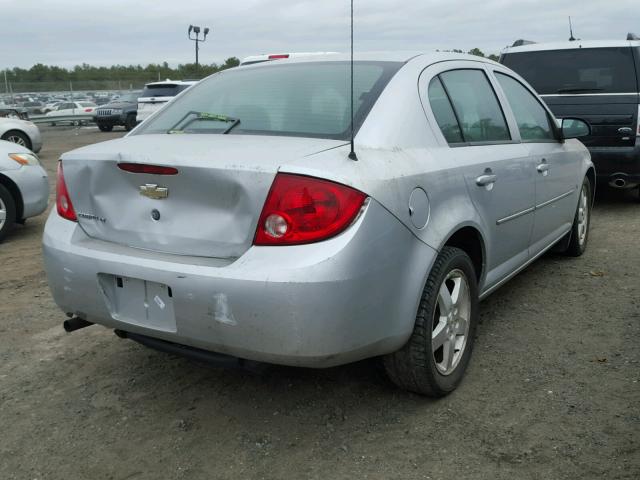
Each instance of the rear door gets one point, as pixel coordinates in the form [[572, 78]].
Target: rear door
[[486, 151], [556, 167]]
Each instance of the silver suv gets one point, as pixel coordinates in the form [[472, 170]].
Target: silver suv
[[237, 221]]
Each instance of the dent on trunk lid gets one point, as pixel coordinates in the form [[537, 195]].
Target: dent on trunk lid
[[213, 203]]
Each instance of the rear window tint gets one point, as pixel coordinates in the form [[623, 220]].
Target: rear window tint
[[300, 99], [584, 70]]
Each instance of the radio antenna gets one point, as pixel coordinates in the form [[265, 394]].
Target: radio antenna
[[352, 153], [571, 38]]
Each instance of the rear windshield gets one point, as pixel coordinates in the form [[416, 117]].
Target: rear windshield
[[584, 70], [166, 90], [305, 100]]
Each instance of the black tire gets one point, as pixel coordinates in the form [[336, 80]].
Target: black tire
[[578, 244], [130, 122], [414, 366], [105, 128], [17, 136], [10, 208]]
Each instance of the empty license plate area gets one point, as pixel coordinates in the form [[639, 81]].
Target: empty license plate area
[[139, 302]]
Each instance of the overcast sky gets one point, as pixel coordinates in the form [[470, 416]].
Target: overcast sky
[[70, 32]]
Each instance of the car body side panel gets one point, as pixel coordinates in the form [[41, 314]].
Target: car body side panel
[[34, 187]]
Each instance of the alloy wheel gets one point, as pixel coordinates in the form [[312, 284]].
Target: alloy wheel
[[451, 322], [583, 216], [3, 213], [16, 139]]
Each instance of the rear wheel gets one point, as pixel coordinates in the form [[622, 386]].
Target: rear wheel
[[105, 128], [7, 212], [18, 137], [436, 356], [581, 221]]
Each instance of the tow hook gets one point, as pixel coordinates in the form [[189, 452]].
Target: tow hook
[[75, 323]]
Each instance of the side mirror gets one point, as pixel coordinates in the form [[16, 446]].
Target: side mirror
[[574, 128]]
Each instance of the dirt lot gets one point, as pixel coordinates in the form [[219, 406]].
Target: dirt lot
[[552, 391]]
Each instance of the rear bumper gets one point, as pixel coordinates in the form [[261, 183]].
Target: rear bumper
[[614, 163], [345, 299]]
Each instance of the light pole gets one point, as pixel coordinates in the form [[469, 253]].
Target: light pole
[[196, 37]]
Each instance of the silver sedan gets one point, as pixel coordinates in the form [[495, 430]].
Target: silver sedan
[[238, 220], [24, 188], [22, 132]]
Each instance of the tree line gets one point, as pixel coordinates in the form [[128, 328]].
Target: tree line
[[116, 77], [50, 77]]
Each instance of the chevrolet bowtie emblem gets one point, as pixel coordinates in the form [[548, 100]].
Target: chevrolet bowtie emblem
[[154, 191]]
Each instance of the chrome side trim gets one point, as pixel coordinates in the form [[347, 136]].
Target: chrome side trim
[[515, 215], [489, 291], [555, 199], [533, 209], [587, 94]]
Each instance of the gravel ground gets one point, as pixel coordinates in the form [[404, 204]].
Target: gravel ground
[[552, 390]]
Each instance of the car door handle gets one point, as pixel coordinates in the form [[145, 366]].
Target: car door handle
[[543, 167], [484, 180]]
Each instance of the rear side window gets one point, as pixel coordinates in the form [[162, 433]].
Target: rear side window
[[443, 111], [532, 118], [584, 70], [476, 106]]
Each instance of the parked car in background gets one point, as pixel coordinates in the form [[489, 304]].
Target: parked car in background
[[22, 132], [24, 188], [73, 109], [157, 94], [34, 107], [52, 106], [8, 111], [598, 81], [119, 112], [252, 230]]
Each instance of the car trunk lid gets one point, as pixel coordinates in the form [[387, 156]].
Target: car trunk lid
[[209, 208]]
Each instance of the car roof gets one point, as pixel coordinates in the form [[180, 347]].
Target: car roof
[[398, 56], [568, 45]]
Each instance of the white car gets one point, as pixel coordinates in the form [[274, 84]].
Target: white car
[[22, 132], [155, 95], [24, 187], [72, 109]]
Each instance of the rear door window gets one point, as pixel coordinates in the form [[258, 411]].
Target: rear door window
[[476, 106], [532, 119], [575, 71]]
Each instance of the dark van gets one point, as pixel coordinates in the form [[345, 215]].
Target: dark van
[[597, 81]]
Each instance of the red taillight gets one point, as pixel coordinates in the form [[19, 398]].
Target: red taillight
[[302, 209], [63, 202], [88, 109], [278, 57], [144, 168]]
